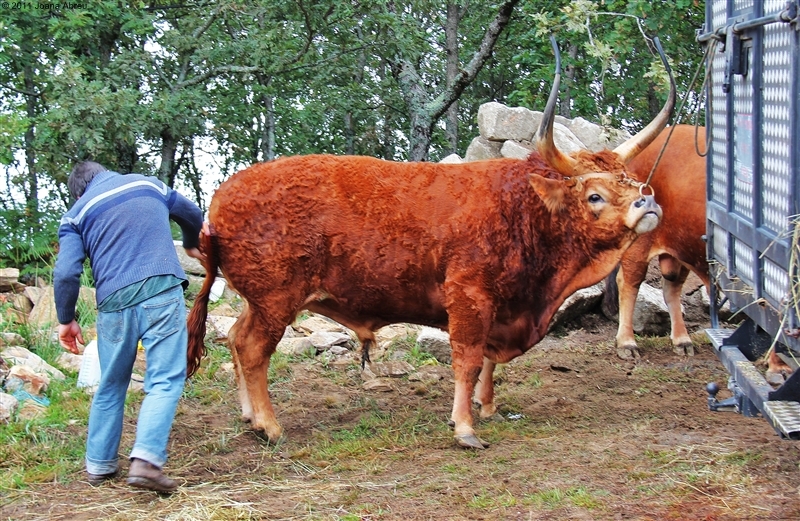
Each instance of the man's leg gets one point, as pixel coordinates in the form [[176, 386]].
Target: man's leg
[[162, 319], [117, 335]]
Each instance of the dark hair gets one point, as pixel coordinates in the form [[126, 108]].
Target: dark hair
[[81, 176]]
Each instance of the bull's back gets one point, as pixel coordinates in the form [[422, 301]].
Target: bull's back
[[376, 236]]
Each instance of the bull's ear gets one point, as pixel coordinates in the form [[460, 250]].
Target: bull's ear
[[550, 191]]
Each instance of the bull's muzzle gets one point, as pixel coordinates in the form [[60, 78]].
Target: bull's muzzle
[[649, 212]]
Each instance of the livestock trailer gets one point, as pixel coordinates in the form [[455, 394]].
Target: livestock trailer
[[753, 186]]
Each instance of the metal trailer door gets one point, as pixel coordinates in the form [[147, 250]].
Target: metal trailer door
[[753, 114]]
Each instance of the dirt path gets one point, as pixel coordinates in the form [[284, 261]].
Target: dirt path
[[586, 437]]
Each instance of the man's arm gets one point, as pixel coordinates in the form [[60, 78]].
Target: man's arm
[[67, 284]]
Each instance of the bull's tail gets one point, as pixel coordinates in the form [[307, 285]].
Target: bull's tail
[[196, 323], [610, 304]]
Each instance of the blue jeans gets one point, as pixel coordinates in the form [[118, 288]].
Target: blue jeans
[[160, 322]]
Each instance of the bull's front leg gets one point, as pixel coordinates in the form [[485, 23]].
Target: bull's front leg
[[469, 316], [484, 390]]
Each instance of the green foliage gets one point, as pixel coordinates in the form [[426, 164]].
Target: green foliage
[[28, 240], [191, 90]]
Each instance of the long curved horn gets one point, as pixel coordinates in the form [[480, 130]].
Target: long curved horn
[[631, 148], [544, 136]]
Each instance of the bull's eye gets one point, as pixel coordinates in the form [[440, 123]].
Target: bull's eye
[[595, 198]]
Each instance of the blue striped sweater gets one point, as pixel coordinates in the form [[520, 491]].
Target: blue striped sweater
[[121, 223]]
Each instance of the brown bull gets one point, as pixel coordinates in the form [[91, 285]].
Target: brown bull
[[679, 184], [487, 251]]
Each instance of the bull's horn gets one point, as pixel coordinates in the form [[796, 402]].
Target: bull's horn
[[544, 136], [631, 148]]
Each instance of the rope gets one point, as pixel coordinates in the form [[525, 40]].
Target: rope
[[705, 61]]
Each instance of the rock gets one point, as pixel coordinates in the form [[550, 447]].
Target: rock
[[481, 148], [8, 339], [316, 323], [69, 361], [23, 377], [393, 368], [224, 310], [595, 137], [565, 140], [30, 410], [498, 122], [34, 292], [221, 325], [452, 159], [189, 264], [295, 346], [21, 303], [650, 316], [9, 281], [324, 340], [437, 343], [378, 384], [516, 150], [577, 304], [43, 314], [21, 356], [8, 407], [4, 370]]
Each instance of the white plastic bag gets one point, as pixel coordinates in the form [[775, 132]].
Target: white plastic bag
[[89, 374]]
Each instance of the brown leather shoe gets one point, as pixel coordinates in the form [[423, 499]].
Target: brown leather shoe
[[144, 474], [99, 479]]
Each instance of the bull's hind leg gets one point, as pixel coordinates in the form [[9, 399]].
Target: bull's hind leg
[[252, 345], [675, 274]]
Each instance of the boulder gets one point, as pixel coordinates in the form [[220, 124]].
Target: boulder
[[497, 122], [8, 339], [9, 282], [516, 149], [452, 159], [190, 264], [394, 368], [23, 377], [324, 340], [481, 148], [8, 407], [295, 346], [436, 342], [577, 304], [21, 356]]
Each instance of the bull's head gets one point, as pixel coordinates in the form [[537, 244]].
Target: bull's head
[[568, 165]]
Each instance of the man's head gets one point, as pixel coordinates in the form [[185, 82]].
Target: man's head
[[81, 176]]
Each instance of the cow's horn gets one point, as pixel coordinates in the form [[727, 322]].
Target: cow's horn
[[631, 148], [544, 136]]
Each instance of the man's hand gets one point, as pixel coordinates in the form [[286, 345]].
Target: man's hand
[[197, 254], [67, 336]]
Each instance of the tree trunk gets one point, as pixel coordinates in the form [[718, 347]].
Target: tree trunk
[[565, 107], [451, 46], [169, 146], [268, 129], [32, 185]]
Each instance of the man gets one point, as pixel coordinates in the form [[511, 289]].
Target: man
[[121, 223]]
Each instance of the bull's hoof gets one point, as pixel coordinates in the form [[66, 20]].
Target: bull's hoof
[[496, 417], [470, 441], [629, 353], [684, 349]]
